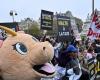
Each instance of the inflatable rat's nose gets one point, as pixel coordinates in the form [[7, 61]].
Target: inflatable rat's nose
[[10, 31]]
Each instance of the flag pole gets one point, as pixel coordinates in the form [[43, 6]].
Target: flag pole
[[93, 6]]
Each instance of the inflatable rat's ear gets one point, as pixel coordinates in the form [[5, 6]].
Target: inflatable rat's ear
[[10, 31]]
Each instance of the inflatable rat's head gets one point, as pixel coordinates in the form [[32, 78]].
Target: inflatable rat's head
[[23, 57]]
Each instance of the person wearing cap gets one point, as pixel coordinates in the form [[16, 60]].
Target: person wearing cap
[[73, 69]]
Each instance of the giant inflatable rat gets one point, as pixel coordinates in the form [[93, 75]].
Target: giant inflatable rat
[[23, 57]]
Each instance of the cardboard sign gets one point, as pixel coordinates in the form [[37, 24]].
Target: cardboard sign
[[46, 20], [64, 28]]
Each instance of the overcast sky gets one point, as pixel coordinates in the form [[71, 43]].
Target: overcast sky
[[32, 8]]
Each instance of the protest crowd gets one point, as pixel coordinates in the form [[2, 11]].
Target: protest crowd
[[71, 58], [74, 59]]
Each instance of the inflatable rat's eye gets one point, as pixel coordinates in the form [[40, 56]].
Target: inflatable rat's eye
[[21, 48]]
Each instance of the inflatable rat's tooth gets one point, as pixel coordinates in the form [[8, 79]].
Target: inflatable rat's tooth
[[10, 31]]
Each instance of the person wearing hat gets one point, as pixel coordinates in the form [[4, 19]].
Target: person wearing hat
[[73, 69]]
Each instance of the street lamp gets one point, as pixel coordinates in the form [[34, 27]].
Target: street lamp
[[13, 13]]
